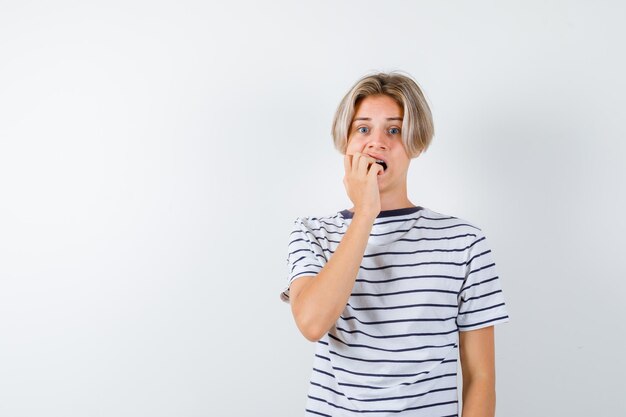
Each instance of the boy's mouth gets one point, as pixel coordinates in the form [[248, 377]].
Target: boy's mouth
[[380, 162]]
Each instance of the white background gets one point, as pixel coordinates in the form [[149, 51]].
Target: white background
[[153, 156]]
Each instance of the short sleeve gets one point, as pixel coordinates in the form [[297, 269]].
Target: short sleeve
[[304, 256], [481, 301]]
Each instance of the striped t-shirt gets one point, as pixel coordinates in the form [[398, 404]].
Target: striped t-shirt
[[393, 351]]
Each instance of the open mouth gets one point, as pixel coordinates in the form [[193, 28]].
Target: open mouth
[[382, 163]]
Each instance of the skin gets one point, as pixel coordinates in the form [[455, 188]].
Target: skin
[[477, 354], [376, 129]]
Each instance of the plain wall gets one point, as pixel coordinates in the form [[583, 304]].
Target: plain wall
[[153, 156]]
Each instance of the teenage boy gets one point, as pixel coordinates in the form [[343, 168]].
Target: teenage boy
[[391, 292]]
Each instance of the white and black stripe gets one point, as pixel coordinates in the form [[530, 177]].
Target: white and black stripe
[[393, 351]]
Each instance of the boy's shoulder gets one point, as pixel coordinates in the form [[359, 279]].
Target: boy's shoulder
[[444, 218], [333, 219]]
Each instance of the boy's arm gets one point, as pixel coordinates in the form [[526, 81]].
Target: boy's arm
[[477, 354], [316, 302]]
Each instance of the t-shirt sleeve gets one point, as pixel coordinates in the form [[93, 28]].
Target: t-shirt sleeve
[[481, 301], [304, 257]]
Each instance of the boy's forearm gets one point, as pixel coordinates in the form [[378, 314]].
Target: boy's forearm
[[320, 303], [479, 398]]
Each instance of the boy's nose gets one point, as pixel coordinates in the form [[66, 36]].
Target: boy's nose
[[377, 142], [378, 139]]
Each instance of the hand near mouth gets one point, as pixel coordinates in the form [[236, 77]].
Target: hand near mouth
[[379, 161], [382, 164], [361, 183]]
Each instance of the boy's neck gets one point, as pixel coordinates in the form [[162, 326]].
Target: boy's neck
[[392, 205]]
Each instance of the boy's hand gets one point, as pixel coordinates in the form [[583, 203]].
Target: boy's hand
[[361, 183]]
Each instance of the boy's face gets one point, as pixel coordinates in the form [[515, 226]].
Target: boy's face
[[376, 131]]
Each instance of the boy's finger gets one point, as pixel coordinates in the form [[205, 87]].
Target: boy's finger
[[365, 163], [374, 169], [346, 162], [355, 162]]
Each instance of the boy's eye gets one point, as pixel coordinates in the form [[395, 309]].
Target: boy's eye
[[362, 129], [394, 130]]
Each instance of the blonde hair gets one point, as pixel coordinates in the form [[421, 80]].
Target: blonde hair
[[417, 124]]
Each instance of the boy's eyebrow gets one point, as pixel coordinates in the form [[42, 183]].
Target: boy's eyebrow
[[369, 118]]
